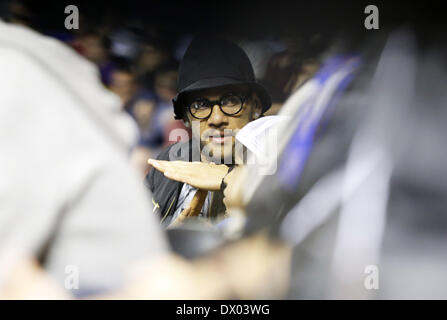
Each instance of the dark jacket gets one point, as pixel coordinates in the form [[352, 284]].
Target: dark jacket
[[165, 192]]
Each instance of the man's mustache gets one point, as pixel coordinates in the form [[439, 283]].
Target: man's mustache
[[219, 133]]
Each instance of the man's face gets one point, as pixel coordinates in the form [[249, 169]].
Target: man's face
[[218, 131]]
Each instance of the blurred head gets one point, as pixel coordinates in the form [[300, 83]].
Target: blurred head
[[123, 84], [151, 58], [166, 85], [20, 12], [142, 111], [94, 46], [220, 113]]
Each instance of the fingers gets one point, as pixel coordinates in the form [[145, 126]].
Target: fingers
[[157, 164], [173, 166], [200, 175], [180, 171], [181, 218], [167, 167], [192, 210], [163, 165], [197, 202], [184, 214], [177, 177]]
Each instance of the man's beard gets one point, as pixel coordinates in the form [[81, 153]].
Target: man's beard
[[217, 155]]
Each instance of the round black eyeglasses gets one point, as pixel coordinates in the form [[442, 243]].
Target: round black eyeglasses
[[229, 104]]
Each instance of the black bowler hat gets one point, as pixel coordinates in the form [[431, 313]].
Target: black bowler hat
[[214, 62]]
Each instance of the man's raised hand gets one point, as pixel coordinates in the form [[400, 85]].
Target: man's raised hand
[[205, 176]]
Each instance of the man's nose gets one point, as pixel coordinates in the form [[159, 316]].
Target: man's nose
[[217, 118]]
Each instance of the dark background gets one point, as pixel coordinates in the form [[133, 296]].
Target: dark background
[[247, 19]]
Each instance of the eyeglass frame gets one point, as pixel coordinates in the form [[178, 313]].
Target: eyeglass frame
[[219, 103]]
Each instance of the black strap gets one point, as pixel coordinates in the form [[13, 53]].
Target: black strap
[[223, 185]]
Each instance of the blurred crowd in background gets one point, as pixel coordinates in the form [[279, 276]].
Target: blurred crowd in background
[[138, 60]]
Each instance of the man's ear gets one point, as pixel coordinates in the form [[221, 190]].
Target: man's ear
[[257, 107], [186, 123]]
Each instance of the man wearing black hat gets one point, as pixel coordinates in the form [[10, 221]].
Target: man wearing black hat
[[217, 96]]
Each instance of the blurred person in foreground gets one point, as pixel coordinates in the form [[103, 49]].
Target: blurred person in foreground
[[217, 96], [64, 141], [72, 207]]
